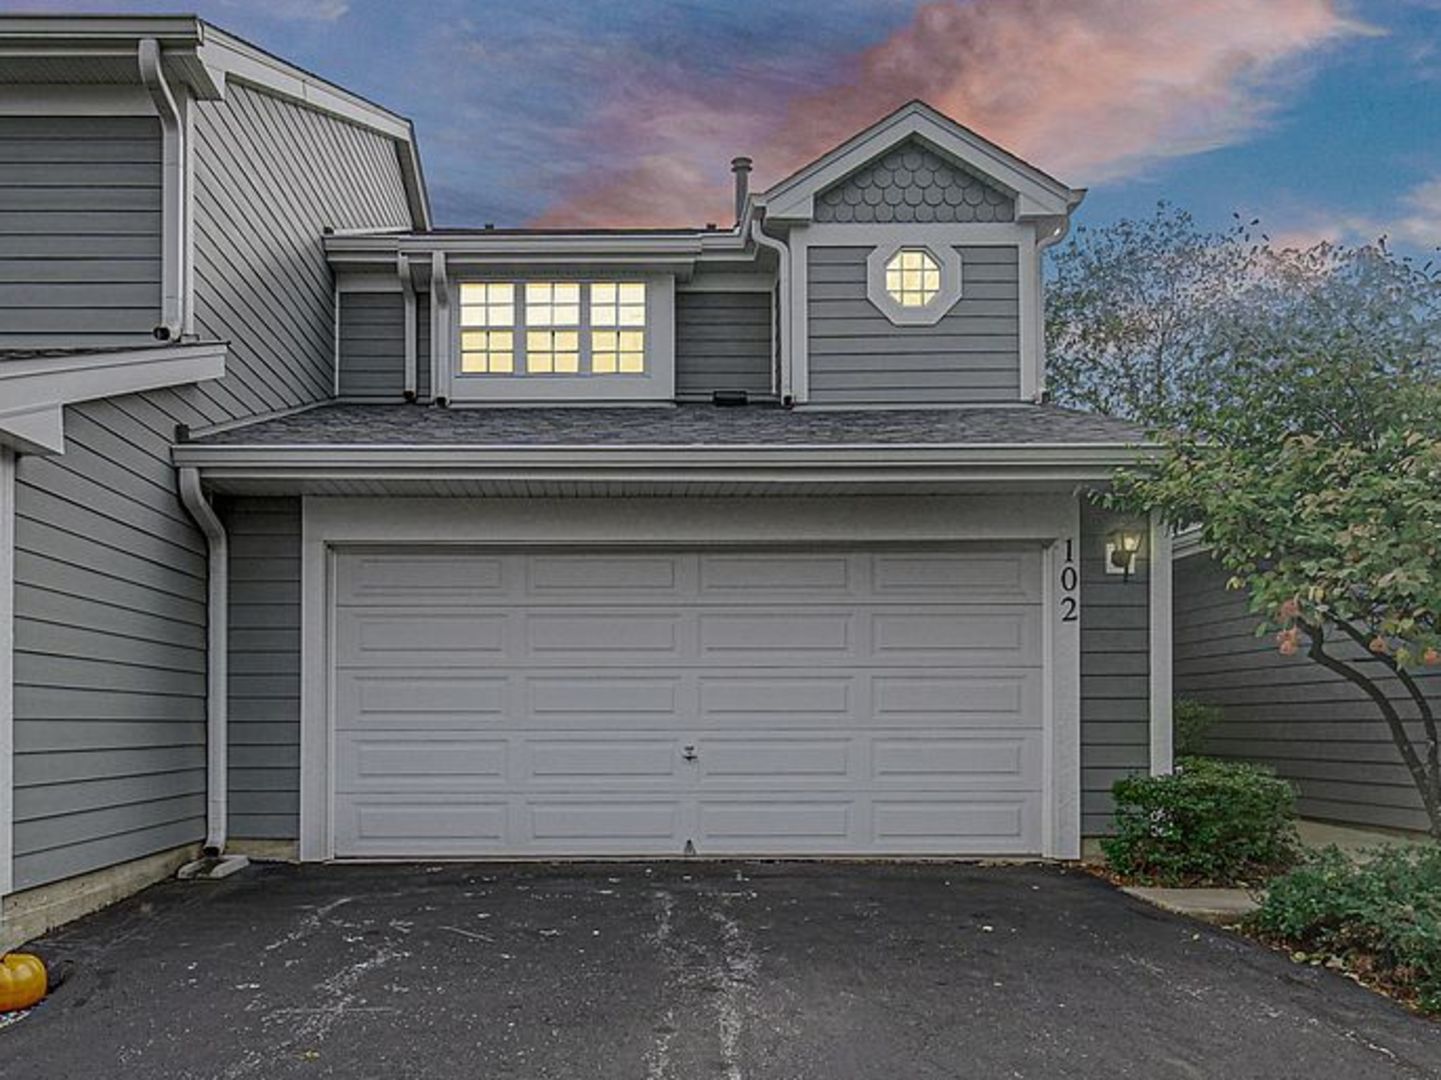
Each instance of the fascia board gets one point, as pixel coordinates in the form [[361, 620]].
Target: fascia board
[[166, 29]]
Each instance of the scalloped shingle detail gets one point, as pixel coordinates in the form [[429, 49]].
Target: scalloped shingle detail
[[913, 183]]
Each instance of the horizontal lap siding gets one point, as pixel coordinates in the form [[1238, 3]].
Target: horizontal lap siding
[[270, 177], [110, 665], [1115, 673], [264, 667], [1312, 727], [79, 230], [857, 355], [372, 346], [422, 346], [722, 342]]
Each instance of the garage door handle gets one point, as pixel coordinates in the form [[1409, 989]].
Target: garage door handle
[[689, 753]]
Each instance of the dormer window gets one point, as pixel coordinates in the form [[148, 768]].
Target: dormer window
[[913, 277], [914, 283], [522, 340]]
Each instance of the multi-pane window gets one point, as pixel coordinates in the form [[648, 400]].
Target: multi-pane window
[[913, 277], [617, 320], [487, 334], [553, 328]]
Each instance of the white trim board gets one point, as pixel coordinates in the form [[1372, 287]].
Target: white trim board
[[7, 669], [329, 523], [1162, 649]]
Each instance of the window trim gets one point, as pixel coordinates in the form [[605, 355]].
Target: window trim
[[656, 383], [946, 257]]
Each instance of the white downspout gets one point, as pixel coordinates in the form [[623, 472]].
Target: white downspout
[[781, 362], [173, 194], [1055, 236], [215, 863]]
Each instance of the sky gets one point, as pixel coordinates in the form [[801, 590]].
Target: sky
[[1320, 117]]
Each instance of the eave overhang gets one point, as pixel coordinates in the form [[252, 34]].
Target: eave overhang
[[878, 467], [34, 391]]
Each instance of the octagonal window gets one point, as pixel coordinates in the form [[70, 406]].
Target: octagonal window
[[913, 277]]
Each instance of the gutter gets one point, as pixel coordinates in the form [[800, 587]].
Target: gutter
[[214, 863], [781, 352]]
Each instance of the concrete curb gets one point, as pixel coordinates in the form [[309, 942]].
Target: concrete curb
[[1222, 907]]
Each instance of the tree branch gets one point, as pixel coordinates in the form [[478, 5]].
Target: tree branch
[[1409, 757]]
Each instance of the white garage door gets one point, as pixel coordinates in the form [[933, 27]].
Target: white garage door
[[724, 702]]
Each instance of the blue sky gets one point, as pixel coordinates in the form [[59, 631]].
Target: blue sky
[[1323, 118]]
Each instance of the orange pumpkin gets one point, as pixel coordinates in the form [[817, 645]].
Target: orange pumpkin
[[22, 981]]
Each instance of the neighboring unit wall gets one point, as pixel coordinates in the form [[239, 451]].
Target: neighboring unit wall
[[270, 176], [79, 230], [110, 572], [857, 355], [1115, 672], [372, 346], [1313, 727], [264, 667], [722, 342]]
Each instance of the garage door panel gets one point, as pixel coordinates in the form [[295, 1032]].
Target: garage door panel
[[984, 824], [390, 761], [583, 634], [623, 825], [739, 698], [975, 760], [432, 579], [370, 638], [763, 826], [607, 576], [775, 761], [729, 633], [419, 700], [761, 577], [997, 575], [958, 636], [919, 696], [382, 826], [598, 698], [583, 761]]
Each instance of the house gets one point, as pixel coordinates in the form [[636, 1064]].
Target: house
[[332, 534], [1312, 726]]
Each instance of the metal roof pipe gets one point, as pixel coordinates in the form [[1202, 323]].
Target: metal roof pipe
[[214, 863], [741, 168]]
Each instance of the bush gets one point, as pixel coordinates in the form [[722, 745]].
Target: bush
[[1190, 720], [1380, 918], [1208, 823]]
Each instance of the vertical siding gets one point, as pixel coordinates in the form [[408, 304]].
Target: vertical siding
[[79, 230], [264, 667], [110, 572], [1314, 728], [422, 346], [1115, 672], [372, 346], [857, 355], [722, 342]]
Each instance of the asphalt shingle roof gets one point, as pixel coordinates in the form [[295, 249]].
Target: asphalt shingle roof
[[684, 425]]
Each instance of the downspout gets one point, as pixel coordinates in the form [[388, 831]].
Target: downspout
[[1055, 236], [214, 861], [780, 363], [173, 195]]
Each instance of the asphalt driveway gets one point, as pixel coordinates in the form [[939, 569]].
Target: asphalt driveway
[[687, 971]]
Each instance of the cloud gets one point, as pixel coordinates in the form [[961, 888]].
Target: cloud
[[1414, 222], [1089, 89], [294, 10]]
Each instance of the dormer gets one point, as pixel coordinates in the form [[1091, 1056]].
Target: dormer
[[912, 271]]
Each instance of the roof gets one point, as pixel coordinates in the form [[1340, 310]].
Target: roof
[[680, 426]]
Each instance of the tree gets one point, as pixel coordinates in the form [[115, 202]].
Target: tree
[[1147, 318], [1316, 482]]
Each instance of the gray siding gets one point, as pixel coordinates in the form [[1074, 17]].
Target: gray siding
[[914, 183], [1314, 728], [722, 342], [1115, 672], [372, 346], [270, 176], [79, 230], [110, 573], [857, 355], [264, 667], [422, 346]]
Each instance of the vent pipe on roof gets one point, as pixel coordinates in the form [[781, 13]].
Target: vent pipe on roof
[[741, 167]]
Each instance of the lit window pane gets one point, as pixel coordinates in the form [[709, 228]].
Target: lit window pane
[[631, 341], [503, 362], [603, 363], [632, 292], [913, 277], [603, 292], [632, 363], [632, 316]]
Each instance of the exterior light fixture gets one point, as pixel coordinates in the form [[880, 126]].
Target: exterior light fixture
[[1122, 547]]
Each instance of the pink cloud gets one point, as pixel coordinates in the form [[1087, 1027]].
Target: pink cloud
[[1088, 89]]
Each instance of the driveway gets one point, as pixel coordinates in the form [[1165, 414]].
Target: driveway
[[695, 970]]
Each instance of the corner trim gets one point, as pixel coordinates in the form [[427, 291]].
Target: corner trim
[[1162, 735], [7, 670]]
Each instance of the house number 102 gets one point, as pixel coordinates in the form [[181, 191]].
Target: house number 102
[[1070, 578]]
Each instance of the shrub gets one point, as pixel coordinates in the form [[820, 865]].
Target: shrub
[[1381, 917], [1208, 823], [1190, 720]]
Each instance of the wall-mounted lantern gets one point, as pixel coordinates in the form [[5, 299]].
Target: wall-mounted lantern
[[1122, 547]]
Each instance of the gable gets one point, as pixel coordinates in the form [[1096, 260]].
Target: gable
[[913, 183]]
